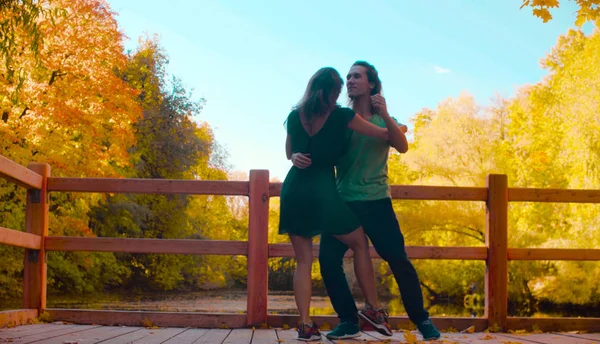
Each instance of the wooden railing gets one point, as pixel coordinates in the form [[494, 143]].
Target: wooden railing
[[36, 178]]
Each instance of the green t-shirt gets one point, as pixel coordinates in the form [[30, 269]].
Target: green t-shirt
[[361, 174]]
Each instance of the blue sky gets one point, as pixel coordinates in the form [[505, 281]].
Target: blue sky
[[251, 60]]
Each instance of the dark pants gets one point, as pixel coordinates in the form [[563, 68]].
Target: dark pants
[[381, 226]]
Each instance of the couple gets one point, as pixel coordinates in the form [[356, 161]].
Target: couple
[[346, 206]]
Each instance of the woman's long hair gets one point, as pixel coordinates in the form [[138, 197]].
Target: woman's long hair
[[321, 94]]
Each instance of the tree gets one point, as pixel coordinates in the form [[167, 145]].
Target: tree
[[20, 32], [68, 108], [170, 144], [589, 10]]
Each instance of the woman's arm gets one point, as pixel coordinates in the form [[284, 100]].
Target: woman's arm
[[359, 125], [288, 147]]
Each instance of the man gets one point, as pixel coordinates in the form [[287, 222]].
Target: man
[[362, 183]]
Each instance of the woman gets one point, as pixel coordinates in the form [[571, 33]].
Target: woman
[[310, 203]]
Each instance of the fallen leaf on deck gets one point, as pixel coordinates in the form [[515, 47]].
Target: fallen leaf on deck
[[410, 337], [470, 329]]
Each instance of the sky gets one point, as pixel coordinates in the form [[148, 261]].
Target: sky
[[251, 60]]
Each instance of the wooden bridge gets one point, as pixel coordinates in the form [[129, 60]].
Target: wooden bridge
[[496, 195]]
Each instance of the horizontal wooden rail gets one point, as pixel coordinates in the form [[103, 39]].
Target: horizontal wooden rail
[[149, 186], [422, 192], [414, 252], [132, 245], [553, 195], [17, 317], [438, 193], [12, 237], [554, 324], [19, 175], [163, 319], [230, 320], [227, 247], [553, 254]]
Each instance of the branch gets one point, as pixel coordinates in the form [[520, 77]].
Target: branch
[[431, 291], [24, 112], [55, 74]]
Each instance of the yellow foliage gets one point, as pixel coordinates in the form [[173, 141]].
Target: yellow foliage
[[587, 9], [410, 337], [146, 323], [44, 317], [493, 328]]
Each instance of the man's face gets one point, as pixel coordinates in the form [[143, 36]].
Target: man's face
[[357, 82]]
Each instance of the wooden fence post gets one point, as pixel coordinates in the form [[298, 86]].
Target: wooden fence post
[[258, 247], [36, 222], [496, 239]]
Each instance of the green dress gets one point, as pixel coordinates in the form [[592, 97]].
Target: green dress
[[310, 203]]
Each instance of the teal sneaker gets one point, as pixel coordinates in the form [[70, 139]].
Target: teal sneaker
[[344, 330], [428, 330]]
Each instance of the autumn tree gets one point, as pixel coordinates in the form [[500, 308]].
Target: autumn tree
[[589, 10], [72, 111], [170, 145]]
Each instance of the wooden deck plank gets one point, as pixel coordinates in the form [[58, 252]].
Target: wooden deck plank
[[376, 335], [92, 335], [399, 336], [85, 334], [12, 333], [25, 330], [324, 338], [591, 336], [468, 338], [213, 336], [189, 336], [145, 335], [288, 335], [547, 338], [239, 336], [266, 336], [45, 336], [157, 337], [129, 337]]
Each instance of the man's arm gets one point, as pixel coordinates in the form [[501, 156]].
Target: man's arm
[[395, 132]]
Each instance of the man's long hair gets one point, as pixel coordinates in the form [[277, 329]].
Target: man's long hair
[[372, 77]]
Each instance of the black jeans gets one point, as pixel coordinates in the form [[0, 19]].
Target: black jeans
[[381, 226]]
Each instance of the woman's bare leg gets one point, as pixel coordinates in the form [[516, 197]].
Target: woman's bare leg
[[302, 276]]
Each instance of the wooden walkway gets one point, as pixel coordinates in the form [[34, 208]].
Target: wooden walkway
[[84, 334]]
